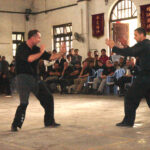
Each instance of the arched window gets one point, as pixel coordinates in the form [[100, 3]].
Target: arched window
[[123, 10], [123, 21]]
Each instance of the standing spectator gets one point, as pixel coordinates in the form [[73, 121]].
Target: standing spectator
[[13, 61], [95, 53], [1, 74], [103, 58], [5, 77], [70, 53], [76, 57], [89, 58]]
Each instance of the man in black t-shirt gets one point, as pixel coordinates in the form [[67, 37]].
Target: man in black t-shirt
[[53, 75], [27, 58], [108, 71], [141, 85], [69, 74], [85, 72]]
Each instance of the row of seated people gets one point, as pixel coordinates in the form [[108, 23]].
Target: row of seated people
[[65, 74], [78, 76], [120, 77]]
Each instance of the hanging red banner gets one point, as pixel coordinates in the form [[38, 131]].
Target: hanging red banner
[[145, 17], [98, 25]]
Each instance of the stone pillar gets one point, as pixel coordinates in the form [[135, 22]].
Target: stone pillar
[[83, 10]]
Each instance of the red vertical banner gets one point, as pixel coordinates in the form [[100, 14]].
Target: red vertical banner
[[98, 25], [145, 17]]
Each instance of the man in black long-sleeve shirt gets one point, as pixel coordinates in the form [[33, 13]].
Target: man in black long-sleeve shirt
[[141, 85], [27, 58]]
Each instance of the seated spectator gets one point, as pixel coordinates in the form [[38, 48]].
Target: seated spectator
[[68, 75], [61, 62], [54, 51], [69, 60], [76, 57], [131, 71], [122, 61], [89, 58], [108, 71], [97, 79], [41, 69], [96, 59], [85, 72], [52, 79], [116, 65], [103, 58], [99, 65]]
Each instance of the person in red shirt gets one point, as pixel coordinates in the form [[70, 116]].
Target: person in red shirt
[[103, 58]]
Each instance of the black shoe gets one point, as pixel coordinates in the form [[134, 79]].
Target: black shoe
[[53, 125], [14, 129], [122, 124]]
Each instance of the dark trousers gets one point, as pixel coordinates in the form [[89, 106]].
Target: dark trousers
[[6, 86], [64, 83], [139, 89], [25, 85], [121, 82]]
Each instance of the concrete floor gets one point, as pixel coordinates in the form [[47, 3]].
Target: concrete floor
[[88, 123]]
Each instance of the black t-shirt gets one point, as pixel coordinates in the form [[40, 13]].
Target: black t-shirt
[[134, 70], [99, 67], [87, 71], [54, 70], [108, 70], [70, 70], [75, 69], [22, 64]]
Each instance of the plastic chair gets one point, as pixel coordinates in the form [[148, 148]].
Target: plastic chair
[[110, 80]]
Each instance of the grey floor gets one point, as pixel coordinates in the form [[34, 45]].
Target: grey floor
[[88, 123]]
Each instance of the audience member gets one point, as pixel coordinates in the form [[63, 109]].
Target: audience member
[[103, 58], [76, 57]]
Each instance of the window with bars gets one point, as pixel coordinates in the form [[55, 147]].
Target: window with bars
[[17, 38], [62, 33], [124, 9]]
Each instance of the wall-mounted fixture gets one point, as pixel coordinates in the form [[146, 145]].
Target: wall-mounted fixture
[[27, 13], [106, 2]]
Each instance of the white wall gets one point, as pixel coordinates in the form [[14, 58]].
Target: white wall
[[96, 7], [10, 22], [45, 22], [73, 14], [40, 5]]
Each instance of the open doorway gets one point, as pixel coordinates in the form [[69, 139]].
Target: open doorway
[[123, 21]]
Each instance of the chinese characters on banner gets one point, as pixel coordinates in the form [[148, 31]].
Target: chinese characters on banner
[[98, 25], [145, 17]]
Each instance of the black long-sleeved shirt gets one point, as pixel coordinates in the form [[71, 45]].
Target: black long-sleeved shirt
[[141, 50], [22, 64]]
